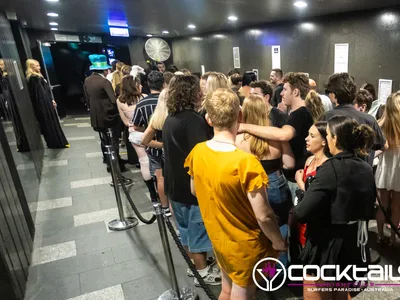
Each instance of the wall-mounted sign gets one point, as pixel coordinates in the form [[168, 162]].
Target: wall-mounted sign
[[276, 56], [341, 58], [385, 89], [92, 39], [66, 38], [236, 57], [121, 32], [18, 75]]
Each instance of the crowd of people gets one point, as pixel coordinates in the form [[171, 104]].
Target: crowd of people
[[253, 169]]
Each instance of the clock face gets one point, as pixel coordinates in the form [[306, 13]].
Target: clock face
[[157, 49]]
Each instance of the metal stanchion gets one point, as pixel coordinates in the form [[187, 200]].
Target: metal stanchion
[[122, 223], [185, 293]]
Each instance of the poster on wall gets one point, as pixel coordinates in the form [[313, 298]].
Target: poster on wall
[[203, 69], [341, 58], [256, 72], [236, 58], [385, 89], [276, 57]]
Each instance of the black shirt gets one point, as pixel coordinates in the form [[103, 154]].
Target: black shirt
[[362, 118], [141, 118], [181, 132], [278, 118], [276, 97], [301, 120]]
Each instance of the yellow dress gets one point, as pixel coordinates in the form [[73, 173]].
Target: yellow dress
[[222, 181]]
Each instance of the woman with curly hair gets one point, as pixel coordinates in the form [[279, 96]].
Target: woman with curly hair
[[183, 129], [314, 105]]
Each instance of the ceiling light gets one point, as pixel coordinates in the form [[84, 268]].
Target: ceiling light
[[219, 36], [165, 32], [52, 0], [149, 35], [389, 18], [54, 29], [196, 38], [255, 32], [52, 15], [53, 24], [191, 26], [307, 26], [232, 18], [300, 4]]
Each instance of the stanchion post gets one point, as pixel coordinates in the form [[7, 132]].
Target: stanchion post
[[122, 223], [186, 293]]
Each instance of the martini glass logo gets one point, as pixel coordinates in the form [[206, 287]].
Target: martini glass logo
[[267, 269]]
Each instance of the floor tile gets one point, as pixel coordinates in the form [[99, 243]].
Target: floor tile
[[51, 204], [94, 154], [111, 293], [81, 138], [54, 252], [90, 182]]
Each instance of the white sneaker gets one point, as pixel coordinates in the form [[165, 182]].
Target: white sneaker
[[212, 278], [211, 262]]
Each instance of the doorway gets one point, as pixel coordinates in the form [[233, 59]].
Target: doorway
[[67, 65]]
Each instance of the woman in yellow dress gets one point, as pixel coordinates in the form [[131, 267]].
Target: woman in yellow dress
[[230, 186]]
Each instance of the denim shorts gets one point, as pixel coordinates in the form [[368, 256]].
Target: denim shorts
[[279, 196], [154, 164], [191, 227]]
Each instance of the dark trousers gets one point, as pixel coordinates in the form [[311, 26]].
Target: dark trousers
[[116, 133]]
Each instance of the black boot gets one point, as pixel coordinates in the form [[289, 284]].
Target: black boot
[[152, 190]]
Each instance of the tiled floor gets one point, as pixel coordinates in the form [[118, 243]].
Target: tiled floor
[[76, 257]]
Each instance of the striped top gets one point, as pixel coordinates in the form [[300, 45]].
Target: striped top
[[141, 118]]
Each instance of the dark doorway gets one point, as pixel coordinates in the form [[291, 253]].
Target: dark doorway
[[71, 66]]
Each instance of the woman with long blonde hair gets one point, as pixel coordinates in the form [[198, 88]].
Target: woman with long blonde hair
[[314, 105], [273, 156], [154, 131], [44, 106], [387, 175], [215, 81], [117, 75]]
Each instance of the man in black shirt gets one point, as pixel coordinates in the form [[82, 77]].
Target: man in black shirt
[[264, 89], [141, 118], [342, 90], [276, 77], [183, 129], [295, 89]]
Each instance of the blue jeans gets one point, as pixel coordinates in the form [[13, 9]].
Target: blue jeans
[[191, 227], [279, 198]]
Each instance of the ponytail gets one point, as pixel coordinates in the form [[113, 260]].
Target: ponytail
[[314, 104], [363, 139], [351, 136]]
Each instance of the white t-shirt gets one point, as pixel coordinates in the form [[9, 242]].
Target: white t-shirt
[[326, 102]]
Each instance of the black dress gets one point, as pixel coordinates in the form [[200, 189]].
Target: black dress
[[333, 205], [10, 107], [45, 113]]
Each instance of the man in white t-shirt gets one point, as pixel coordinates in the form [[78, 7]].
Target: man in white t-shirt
[[326, 102]]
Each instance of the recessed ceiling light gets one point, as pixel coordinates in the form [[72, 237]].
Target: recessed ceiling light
[[232, 18], [196, 38], [191, 26], [52, 14], [307, 26], [165, 32], [52, 0], [53, 24], [300, 4], [149, 35], [54, 29]]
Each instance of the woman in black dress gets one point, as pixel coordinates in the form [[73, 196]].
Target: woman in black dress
[[44, 107], [338, 203]]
